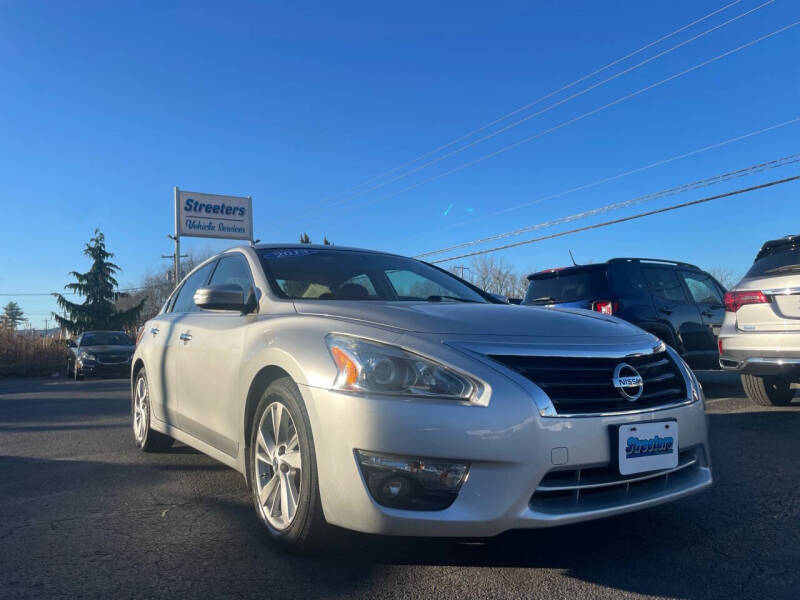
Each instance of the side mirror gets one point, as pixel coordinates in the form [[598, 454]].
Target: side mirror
[[71, 344], [226, 296]]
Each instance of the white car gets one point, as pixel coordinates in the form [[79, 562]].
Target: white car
[[760, 337], [381, 394]]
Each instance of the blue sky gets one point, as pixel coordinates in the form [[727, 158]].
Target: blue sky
[[104, 107]]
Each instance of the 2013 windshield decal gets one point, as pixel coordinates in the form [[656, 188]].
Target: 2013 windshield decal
[[288, 253]]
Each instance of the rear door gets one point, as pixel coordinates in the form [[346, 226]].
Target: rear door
[[675, 310], [209, 359], [163, 347], [709, 297]]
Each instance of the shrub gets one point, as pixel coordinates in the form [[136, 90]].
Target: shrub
[[26, 355]]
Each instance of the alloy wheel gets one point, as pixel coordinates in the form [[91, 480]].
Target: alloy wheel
[[279, 466], [140, 408]]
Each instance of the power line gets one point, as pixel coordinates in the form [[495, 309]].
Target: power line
[[611, 178], [701, 183], [621, 220], [584, 115], [534, 102], [66, 293], [556, 104]]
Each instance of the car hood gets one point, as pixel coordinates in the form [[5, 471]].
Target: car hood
[[471, 319], [107, 349]]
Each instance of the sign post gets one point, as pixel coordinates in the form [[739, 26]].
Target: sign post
[[177, 241], [210, 215]]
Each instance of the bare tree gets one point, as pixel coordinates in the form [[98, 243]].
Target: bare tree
[[156, 286], [726, 277], [496, 276]]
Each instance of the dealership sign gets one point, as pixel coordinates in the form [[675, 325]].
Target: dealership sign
[[212, 215]]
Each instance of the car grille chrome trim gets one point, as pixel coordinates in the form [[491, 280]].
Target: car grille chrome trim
[[583, 386]]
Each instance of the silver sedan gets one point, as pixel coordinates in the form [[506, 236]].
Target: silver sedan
[[381, 394]]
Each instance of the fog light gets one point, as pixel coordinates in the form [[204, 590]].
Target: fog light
[[392, 488], [412, 483]]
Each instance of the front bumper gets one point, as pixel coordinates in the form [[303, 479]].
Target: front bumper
[[104, 369], [510, 448]]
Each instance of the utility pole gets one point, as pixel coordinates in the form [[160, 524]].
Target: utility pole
[[177, 266], [176, 237], [462, 268]]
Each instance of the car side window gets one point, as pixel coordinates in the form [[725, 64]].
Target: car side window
[[185, 300], [702, 288], [232, 269], [664, 283], [409, 285], [364, 281]]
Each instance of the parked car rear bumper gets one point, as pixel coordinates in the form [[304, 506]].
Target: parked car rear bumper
[[757, 353]]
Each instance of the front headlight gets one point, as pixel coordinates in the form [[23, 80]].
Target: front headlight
[[87, 356], [371, 367]]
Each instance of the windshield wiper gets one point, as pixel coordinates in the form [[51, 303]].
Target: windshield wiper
[[443, 298], [544, 299], [783, 268]]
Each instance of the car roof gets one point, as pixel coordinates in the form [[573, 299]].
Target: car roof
[[784, 243], [656, 261], [320, 247]]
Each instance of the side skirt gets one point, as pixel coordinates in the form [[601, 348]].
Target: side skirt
[[235, 462]]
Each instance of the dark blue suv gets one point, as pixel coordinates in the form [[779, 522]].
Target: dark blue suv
[[675, 301]]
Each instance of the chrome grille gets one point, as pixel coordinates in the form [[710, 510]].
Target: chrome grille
[[584, 385], [112, 358]]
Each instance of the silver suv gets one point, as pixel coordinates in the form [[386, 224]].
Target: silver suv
[[382, 394], [760, 337]]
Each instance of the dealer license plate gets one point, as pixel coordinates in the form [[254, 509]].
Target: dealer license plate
[[648, 447]]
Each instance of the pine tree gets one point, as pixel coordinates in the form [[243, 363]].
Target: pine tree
[[98, 287], [306, 239], [12, 315]]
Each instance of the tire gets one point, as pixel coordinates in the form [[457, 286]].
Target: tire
[[768, 391], [275, 477], [147, 439]]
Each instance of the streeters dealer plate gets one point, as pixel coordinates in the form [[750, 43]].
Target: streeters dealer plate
[[648, 447]]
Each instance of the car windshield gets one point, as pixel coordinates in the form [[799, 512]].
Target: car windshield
[[113, 338], [566, 286], [778, 262], [317, 274]]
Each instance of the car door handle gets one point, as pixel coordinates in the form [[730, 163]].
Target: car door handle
[[666, 310], [154, 331], [707, 313], [186, 336]]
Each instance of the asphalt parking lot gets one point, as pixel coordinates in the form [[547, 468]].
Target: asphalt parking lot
[[84, 514]]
